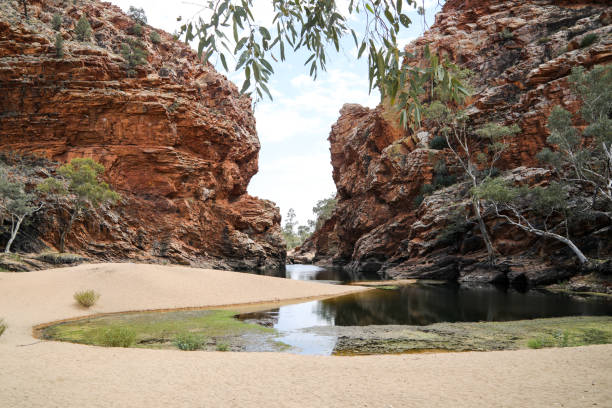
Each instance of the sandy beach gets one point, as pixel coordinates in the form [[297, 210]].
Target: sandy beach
[[35, 373]]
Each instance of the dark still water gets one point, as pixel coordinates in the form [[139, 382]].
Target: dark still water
[[420, 304]]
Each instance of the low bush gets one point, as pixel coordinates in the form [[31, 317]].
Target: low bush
[[118, 337], [56, 22], [188, 341], [506, 34], [83, 29], [588, 40], [2, 326], [86, 298], [535, 344], [427, 189], [57, 258], [155, 37], [418, 200], [136, 30], [222, 347], [543, 40], [438, 143], [59, 46]]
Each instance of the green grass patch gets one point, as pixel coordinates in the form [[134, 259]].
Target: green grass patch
[[588, 39], [222, 347], [117, 336], [86, 298], [175, 329], [188, 341]]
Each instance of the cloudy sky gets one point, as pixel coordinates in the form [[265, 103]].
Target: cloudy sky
[[294, 162]]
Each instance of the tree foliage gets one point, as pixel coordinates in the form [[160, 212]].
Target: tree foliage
[[56, 22], [83, 29], [580, 161], [134, 55], [476, 150], [138, 15], [315, 27], [16, 204], [584, 159], [296, 234], [324, 209], [80, 185], [59, 45]]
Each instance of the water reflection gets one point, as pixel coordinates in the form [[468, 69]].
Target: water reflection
[[326, 275], [420, 304]]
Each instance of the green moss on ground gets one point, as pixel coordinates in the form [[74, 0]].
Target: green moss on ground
[[161, 330]]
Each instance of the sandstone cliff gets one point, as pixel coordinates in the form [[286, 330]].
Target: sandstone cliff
[[177, 139], [521, 53]]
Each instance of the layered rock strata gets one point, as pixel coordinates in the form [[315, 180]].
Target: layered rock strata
[[520, 53], [177, 139]]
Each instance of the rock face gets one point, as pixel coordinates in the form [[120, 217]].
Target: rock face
[[177, 139], [521, 53]]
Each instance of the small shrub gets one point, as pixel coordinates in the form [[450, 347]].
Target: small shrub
[[222, 347], [418, 200], [427, 189], [561, 339], [59, 46], [535, 344], [56, 22], [136, 30], [134, 55], [588, 40], [118, 337], [60, 258], [86, 298], [2, 326], [543, 40], [595, 336], [155, 37], [438, 143], [188, 342], [83, 29], [444, 180], [506, 34]]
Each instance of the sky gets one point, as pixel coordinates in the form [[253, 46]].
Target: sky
[[294, 161]]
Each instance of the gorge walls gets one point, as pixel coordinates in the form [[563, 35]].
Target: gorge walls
[[177, 139], [520, 53]]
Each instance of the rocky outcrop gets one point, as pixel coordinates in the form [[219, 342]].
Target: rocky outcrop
[[521, 53], [177, 139]]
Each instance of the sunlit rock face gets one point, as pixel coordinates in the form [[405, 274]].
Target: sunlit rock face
[[518, 78], [177, 140]]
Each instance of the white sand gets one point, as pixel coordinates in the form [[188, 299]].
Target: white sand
[[37, 373]]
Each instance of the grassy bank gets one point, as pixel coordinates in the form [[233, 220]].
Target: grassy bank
[[187, 330]]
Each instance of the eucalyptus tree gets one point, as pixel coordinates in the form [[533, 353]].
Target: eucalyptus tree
[[476, 150], [315, 27], [17, 204], [580, 162], [80, 186]]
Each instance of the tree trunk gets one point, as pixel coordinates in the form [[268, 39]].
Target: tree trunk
[[483, 231], [25, 8], [14, 231], [581, 257], [62, 243]]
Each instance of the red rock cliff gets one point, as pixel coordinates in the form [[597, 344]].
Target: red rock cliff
[[178, 141], [518, 79]]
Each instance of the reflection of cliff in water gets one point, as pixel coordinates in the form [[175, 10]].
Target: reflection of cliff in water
[[426, 304]]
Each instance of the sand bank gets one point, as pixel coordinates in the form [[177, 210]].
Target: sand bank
[[37, 373]]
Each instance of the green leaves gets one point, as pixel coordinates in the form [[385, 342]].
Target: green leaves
[[298, 24]]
